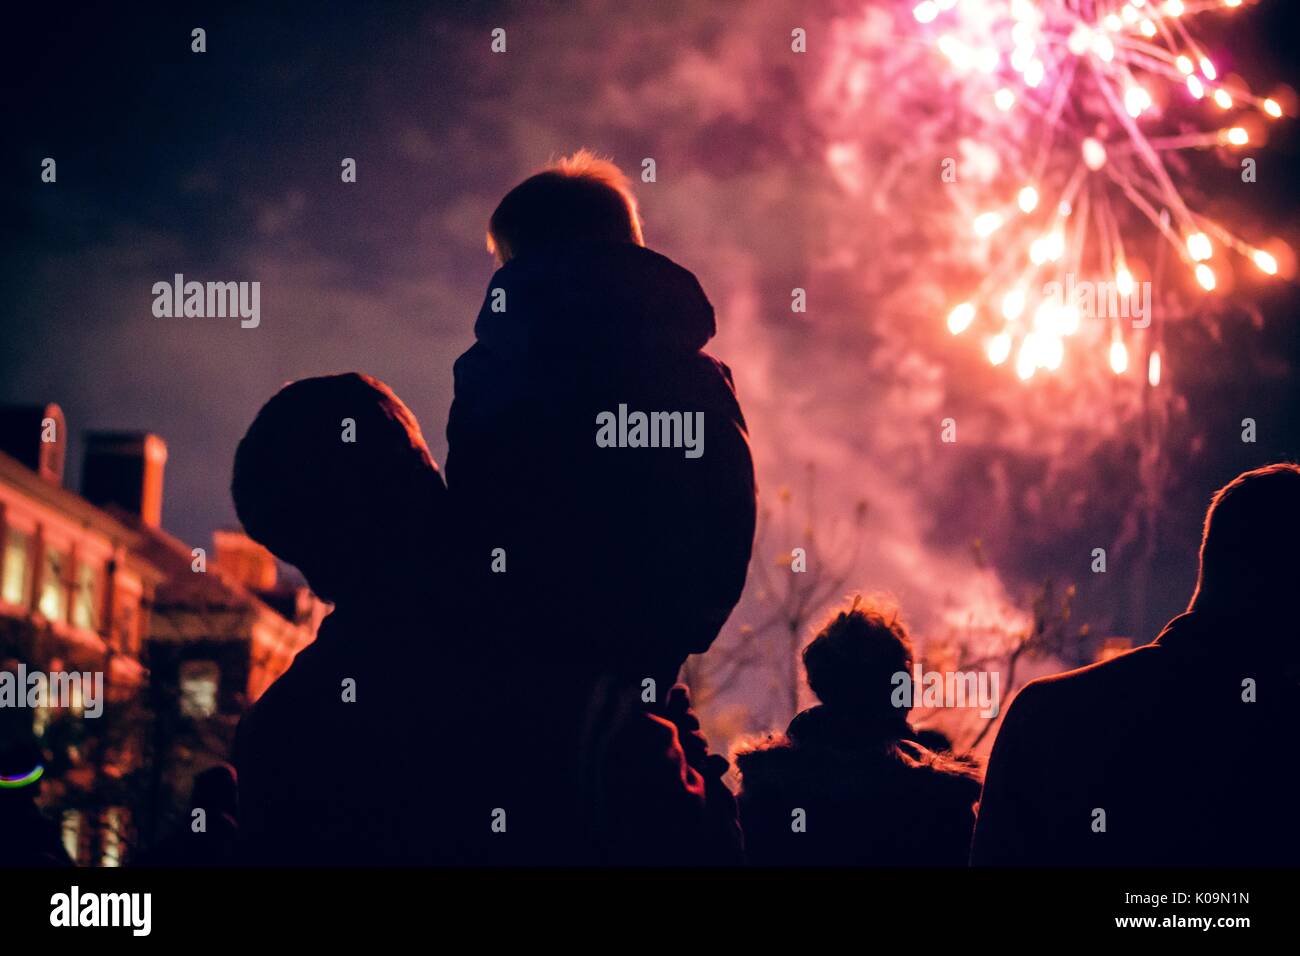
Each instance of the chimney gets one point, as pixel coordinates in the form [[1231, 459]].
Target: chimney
[[245, 560], [125, 469], [37, 436]]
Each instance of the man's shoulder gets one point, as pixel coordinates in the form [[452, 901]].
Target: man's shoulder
[[1106, 682]]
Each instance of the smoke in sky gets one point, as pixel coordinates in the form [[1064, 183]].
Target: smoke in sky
[[775, 171]]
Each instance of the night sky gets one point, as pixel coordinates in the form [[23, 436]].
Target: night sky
[[226, 166]]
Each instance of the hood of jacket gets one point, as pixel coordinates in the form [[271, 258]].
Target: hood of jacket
[[598, 297]]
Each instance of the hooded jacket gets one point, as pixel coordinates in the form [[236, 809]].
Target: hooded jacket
[[633, 557], [869, 796]]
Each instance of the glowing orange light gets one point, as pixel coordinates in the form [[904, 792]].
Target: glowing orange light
[[987, 223], [1124, 281], [1094, 153], [1118, 357], [960, 318], [1265, 262], [1027, 358], [1136, 100], [1205, 276], [1013, 304], [999, 348]]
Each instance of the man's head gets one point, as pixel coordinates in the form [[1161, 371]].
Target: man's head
[[334, 477], [1250, 550], [852, 661], [581, 198]]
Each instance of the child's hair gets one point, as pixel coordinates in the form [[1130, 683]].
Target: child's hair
[[334, 476], [580, 198], [852, 661]]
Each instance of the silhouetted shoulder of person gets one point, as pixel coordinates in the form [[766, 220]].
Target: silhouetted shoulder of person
[[1150, 758], [345, 758], [1180, 752], [869, 796]]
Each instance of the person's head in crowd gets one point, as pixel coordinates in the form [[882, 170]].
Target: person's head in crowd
[[580, 198], [853, 660], [334, 477], [1250, 554], [1250, 548]]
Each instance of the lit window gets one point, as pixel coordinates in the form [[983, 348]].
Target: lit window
[[72, 834], [199, 683], [54, 587], [85, 602], [17, 567], [112, 836]]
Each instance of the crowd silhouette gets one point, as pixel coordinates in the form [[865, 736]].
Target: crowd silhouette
[[496, 681]]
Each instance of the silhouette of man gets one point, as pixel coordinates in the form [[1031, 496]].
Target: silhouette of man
[[412, 730], [344, 760], [1178, 752], [869, 794]]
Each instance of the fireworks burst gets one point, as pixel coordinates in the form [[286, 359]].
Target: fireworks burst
[[1107, 91]]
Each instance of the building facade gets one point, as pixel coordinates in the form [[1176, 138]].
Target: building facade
[[183, 640]]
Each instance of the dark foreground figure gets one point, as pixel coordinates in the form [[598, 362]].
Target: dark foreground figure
[[602, 566], [413, 730], [1180, 752], [650, 541], [869, 794], [27, 837], [350, 756], [207, 839]]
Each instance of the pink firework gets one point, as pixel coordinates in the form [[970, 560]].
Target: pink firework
[[1088, 100]]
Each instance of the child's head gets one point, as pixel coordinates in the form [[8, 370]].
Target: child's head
[[852, 661], [581, 198], [334, 477]]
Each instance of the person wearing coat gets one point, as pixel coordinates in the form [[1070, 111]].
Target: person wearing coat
[[1180, 752], [597, 455], [848, 784]]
